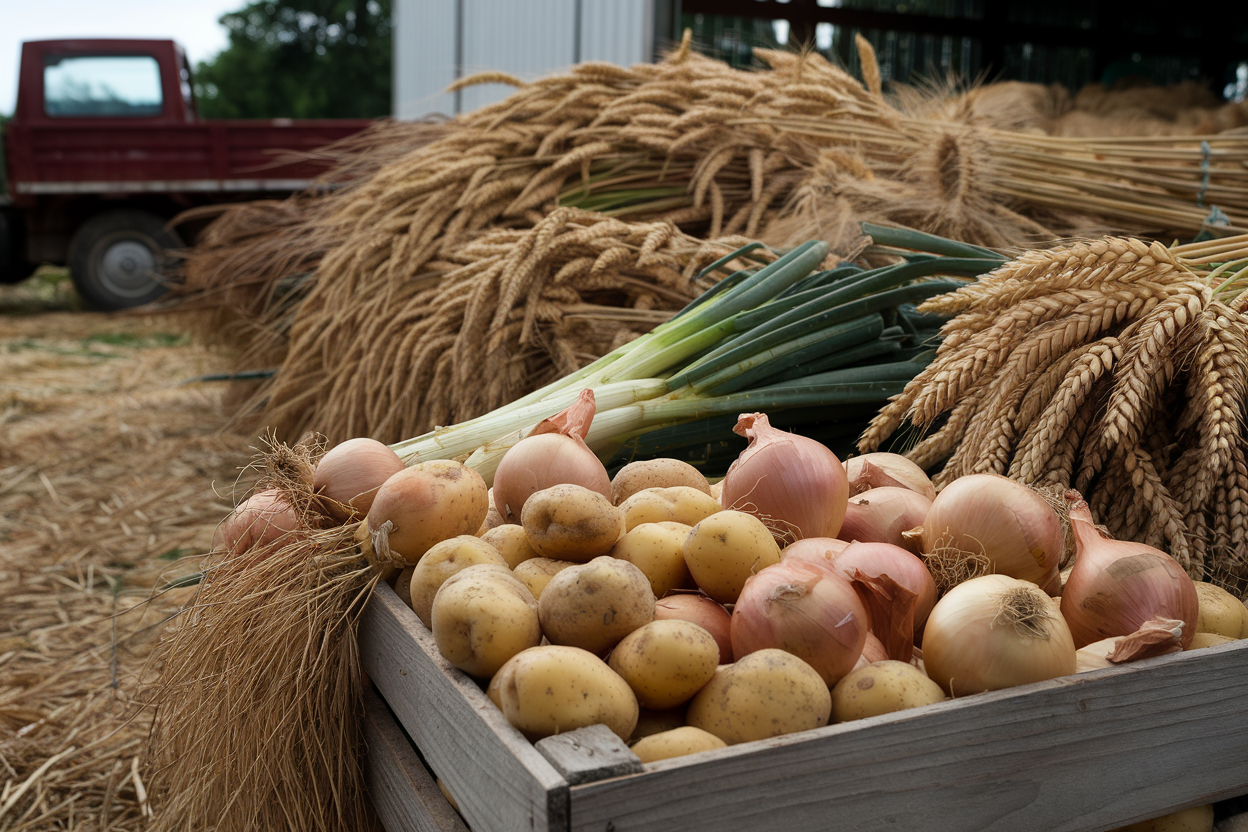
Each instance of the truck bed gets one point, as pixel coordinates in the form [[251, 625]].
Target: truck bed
[[212, 156]]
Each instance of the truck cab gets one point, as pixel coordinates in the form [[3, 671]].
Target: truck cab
[[105, 147]]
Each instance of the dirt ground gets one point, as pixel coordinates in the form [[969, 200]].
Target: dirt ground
[[115, 467]]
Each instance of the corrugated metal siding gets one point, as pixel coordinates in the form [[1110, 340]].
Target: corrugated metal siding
[[618, 31], [528, 39], [424, 57]]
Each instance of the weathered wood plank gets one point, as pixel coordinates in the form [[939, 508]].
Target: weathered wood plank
[[404, 793], [1085, 752], [588, 754], [501, 782]]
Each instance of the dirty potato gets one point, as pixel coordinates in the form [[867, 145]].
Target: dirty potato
[[666, 662], [570, 522], [596, 604], [655, 473]]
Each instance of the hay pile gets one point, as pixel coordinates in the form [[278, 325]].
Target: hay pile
[[798, 150], [1129, 108], [106, 475]]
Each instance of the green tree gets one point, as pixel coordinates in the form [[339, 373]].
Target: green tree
[[300, 59]]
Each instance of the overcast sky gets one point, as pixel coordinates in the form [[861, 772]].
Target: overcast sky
[[192, 23]]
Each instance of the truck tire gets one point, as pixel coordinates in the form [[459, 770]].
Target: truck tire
[[13, 268], [117, 258]]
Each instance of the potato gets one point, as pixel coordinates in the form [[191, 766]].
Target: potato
[[403, 585], [492, 518], [570, 522], [1208, 640], [717, 488], [666, 662], [680, 504], [482, 617], [676, 743], [552, 689], [1220, 612], [657, 551], [655, 722], [511, 542], [707, 614], [447, 794], [655, 473], [1195, 819], [535, 573], [882, 688], [428, 503], [441, 562], [765, 694], [596, 604], [725, 549]]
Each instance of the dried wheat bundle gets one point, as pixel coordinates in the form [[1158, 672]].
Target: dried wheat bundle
[[255, 722], [1114, 366], [496, 318], [244, 275]]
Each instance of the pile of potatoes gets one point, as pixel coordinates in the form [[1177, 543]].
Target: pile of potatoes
[[611, 610], [612, 604]]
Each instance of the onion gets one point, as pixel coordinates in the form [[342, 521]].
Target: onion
[[816, 550], [707, 613], [260, 520], [872, 651], [426, 504], [805, 610], [1116, 586], [882, 514], [1157, 637], [987, 523], [348, 476], [881, 470], [795, 485], [555, 453], [875, 559], [995, 632]]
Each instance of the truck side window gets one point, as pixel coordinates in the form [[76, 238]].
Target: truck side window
[[104, 85]]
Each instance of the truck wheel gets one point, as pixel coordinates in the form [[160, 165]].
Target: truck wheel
[[13, 269], [117, 258]]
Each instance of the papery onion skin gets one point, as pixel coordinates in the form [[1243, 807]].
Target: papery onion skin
[[707, 613], [881, 469], [990, 516], [348, 475], [259, 521], [995, 632], [877, 559], [1117, 585], [1158, 637], [554, 454], [792, 483], [805, 610], [882, 514]]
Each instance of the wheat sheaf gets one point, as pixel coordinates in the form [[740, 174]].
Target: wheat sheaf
[[1115, 366]]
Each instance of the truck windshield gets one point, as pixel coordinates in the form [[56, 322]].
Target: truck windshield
[[105, 85]]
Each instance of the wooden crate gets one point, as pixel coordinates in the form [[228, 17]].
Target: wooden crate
[[1085, 752]]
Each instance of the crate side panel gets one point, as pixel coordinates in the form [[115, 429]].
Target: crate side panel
[[1085, 752], [500, 780], [403, 792]]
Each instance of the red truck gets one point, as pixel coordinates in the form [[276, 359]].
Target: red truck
[[105, 147]]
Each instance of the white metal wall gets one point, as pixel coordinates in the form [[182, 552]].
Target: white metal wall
[[437, 41]]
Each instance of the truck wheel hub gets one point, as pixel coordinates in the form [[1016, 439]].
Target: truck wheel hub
[[128, 268]]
